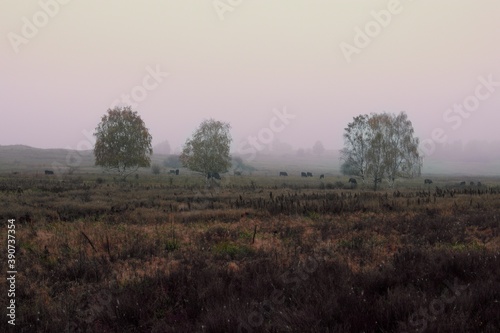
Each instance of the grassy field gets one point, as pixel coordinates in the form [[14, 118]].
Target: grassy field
[[257, 253]]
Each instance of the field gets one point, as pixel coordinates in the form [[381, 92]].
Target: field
[[255, 253]]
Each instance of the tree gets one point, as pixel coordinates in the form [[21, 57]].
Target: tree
[[239, 165], [402, 157], [123, 143], [356, 143], [156, 169], [381, 146], [318, 148], [208, 149], [172, 161]]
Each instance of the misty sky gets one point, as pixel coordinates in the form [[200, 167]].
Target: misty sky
[[239, 63]]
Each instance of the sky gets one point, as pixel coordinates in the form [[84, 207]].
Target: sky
[[296, 71]]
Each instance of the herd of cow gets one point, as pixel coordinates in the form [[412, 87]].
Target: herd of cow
[[429, 181], [216, 175], [309, 174]]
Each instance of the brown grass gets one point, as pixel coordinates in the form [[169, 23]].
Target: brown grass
[[143, 257]]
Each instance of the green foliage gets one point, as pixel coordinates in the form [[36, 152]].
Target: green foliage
[[234, 251], [208, 149], [381, 146], [123, 143], [171, 245]]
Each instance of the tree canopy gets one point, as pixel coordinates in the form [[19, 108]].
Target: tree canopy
[[381, 146], [123, 143], [208, 149]]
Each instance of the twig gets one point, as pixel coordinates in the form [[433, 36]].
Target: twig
[[254, 233], [90, 242]]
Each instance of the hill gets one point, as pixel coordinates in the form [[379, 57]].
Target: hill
[[20, 158]]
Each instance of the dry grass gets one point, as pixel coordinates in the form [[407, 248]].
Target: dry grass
[[145, 257]]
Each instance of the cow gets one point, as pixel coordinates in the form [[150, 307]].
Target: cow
[[427, 181], [321, 176], [176, 172], [237, 173], [283, 173], [472, 184], [172, 172], [309, 174], [213, 175], [462, 183], [352, 181], [303, 174], [49, 172], [479, 184]]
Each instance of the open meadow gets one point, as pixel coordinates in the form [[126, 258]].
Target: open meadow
[[252, 253]]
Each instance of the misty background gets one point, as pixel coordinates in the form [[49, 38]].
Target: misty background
[[261, 57]]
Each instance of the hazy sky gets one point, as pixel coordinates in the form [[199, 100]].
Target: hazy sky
[[323, 61]]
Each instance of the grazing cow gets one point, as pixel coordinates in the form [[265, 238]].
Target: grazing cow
[[303, 174], [352, 181], [172, 172], [321, 176], [462, 184], [237, 173], [213, 175], [472, 184], [49, 172], [283, 173], [427, 181], [309, 174], [176, 172]]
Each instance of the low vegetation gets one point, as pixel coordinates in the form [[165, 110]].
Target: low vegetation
[[252, 254]]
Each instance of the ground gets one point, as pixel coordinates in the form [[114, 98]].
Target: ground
[[252, 253]]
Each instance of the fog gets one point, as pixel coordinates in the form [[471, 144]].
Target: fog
[[285, 74]]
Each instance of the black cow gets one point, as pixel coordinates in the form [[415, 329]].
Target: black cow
[[479, 184], [427, 181], [172, 172], [352, 181], [213, 175], [462, 184], [49, 172], [303, 174], [283, 173], [321, 176], [309, 174], [472, 184], [176, 172], [237, 173]]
